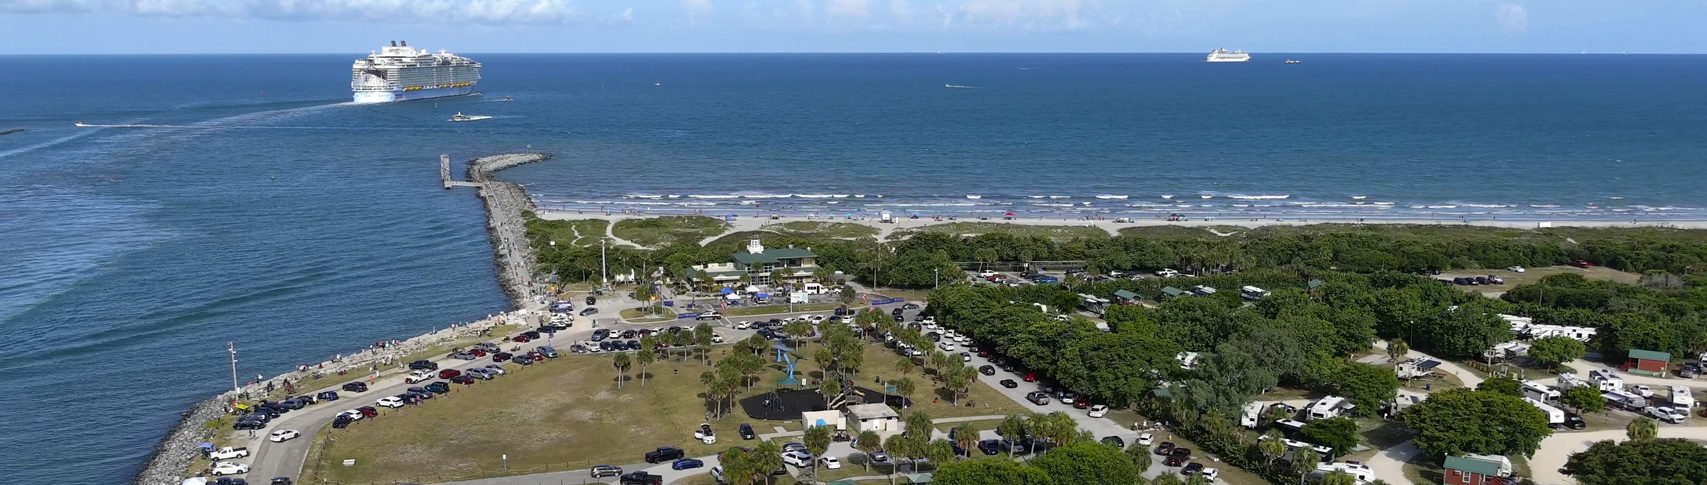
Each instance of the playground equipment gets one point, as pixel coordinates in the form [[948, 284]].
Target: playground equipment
[[784, 354]]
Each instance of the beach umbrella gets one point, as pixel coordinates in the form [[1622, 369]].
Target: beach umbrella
[[726, 290], [1010, 213]]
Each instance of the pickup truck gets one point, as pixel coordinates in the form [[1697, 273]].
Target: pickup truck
[[228, 453], [664, 453], [418, 376]]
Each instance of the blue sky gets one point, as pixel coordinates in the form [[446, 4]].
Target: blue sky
[[474, 26]]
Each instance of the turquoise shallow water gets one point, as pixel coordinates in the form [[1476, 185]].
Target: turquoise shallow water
[[255, 205]]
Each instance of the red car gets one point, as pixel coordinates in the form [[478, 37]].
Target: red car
[[477, 352], [1581, 263], [521, 339], [368, 411], [449, 373], [1031, 377], [1081, 404], [501, 356], [462, 380]]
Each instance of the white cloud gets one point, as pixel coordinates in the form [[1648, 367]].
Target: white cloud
[[902, 10], [849, 9], [43, 6], [806, 10], [491, 12], [1513, 17]]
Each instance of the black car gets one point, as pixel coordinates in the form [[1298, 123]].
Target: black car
[[440, 387], [281, 481], [896, 312], [591, 300], [607, 346], [423, 364], [1009, 367], [988, 370], [990, 447], [249, 424], [600, 334], [1009, 383], [342, 421], [1164, 447], [1573, 421], [532, 334], [630, 333], [641, 478], [589, 311], [601, 471], [355, 386], [747, 432], [910, 306], [1114, 440], [1192, 469], [664, 453], [1177, 457]]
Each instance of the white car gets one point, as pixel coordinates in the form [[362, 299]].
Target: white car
[[354, 414], [1642, 390], [965, 356], [816, 318], [1515, 269], [390, 401], [930, 326], [913, 352], [797, 458], [963, 339], [930, 321], [946, 346], [283, 435], [418, 376], [704, 434], [743, 325], [717, 474], [716, 338], [830, 462], [1211, 474], [1146, 438], [229, 468], [1098, 410], [1667, 414]]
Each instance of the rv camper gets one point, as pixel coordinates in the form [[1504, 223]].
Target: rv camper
[[1330, 407], [1555, 417], [1682, 397], [1606, 380], [1625, 400], [1540, 392], [1251, 416]]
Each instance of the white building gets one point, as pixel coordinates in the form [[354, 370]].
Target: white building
[[873, 417]]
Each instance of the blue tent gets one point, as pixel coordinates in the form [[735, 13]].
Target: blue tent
[[764, 295], [726, 290]]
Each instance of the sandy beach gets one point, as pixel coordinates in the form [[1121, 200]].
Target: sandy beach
[[741, 224]]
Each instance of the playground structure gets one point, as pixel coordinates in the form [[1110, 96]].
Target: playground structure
[[785, 355]]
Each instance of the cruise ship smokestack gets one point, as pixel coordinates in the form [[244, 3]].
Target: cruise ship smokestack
[[405, 43], [394, 43]]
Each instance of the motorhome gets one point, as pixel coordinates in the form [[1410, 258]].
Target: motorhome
[[1203, 290], [1606, 380], [1568, 381], [1625, 400], [1540, 392], [1252, 293], [1251, 416], [1555, 417], [1681, 396], [1539, 331], [1330, 407], [1417, 367], [1356, 469], [1187, 360]]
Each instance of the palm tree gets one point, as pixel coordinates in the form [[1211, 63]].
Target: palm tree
[[1272, 448], [644, 357], [1397, 348], [1641, 429], [1167, 478], [868, 442], [1304, 461], [830, 388], [1013, 427], [737, 468], [1140, 456], [939, 451], [767, 456], [904, 366], [984, 256], [817, 442], [904, 387], [702, 336], [1338, 477], [709, 380], [621, 363], [779, 277], [966, 435]]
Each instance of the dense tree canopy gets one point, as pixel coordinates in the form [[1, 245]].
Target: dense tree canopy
[[984, 471], [1469, 421], [1654, 461], [1086, 463], [1367, 385]]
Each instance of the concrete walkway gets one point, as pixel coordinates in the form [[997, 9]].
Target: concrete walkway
[[1470, 379]]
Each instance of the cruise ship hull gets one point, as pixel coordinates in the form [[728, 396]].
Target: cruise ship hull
[[366, 97], [1244, 59]]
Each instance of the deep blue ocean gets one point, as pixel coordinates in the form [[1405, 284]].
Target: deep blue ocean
[[242, 198]]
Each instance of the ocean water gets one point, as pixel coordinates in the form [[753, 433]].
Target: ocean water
[[242, 199]]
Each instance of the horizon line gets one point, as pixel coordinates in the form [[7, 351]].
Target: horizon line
[[1617, 53]]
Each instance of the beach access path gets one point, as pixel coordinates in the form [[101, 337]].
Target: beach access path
[[1389, 464]]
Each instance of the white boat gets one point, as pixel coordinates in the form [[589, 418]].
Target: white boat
[[399, 73], [1223, 55], [1293, 61], [462, 117]]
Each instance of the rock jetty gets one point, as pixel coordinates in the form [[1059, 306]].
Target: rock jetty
[[505, 203]]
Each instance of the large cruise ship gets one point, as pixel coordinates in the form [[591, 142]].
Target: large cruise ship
[[399, 73], [1222, 55]]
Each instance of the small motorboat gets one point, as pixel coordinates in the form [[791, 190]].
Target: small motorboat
[[462, 117], [1293, 61]]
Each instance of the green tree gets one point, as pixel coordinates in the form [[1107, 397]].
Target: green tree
[[1087, 463], [737, 466], [1642, 428], [1140, 456], [1502, 385], [644, 357], [1552, 351], [1337, 433], [904, 387], [621, 363], [1585, 399], [1369, 386], [778, 278], [1272, 446], [1455, 422], [1667, 461], [702, 337], [984, 256], [817, 442], [1167, 478], [1304, 461], [644, 293], [939, 451], [798, 330], [848, 295], [1397, 349], [1337, 477], [766, 456], [985, 471], [1013, 427], [868, 442], [966, 436]]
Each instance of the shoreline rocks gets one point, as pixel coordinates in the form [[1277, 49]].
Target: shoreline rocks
[[505, 202]]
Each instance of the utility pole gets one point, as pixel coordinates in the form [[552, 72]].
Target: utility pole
[[235, 389]]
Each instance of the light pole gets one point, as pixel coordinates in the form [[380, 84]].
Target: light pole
[[604, 272], [937, 274], [235, 389]]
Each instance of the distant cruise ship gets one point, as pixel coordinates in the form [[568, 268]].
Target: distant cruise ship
[[399, 73], [1222, 55]]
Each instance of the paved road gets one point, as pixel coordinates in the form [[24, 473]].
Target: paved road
[[1389, 464]]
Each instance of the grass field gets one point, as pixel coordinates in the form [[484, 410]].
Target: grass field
[[1059, 233], [666, 230], [748, 311], [1532, 275], [824, 229], [634, 315], [568, 413], [578, 232]]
